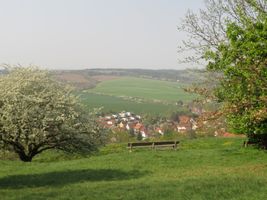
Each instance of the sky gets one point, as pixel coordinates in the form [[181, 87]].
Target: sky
[[79, 34]]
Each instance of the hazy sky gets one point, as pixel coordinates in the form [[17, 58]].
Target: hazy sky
[[75, 34]]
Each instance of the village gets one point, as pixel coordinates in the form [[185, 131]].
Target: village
[[134, 124]]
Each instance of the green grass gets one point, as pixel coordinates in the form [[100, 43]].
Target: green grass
[[116, 104], [205, 169], [118, 95], [143, 88]]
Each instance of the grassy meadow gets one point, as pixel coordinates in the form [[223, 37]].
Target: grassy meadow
[[136, 95], [143, 88], [116, 104], [202, 169]]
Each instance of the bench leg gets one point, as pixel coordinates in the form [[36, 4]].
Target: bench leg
[[131, 147], [245, 144]]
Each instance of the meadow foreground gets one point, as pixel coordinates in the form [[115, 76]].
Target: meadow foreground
[[208, 168]]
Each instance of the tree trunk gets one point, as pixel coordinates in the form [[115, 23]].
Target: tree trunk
[[25, 158]]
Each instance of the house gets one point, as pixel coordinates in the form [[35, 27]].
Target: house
[[143, 133], [159, 130], [115, 116], [124, 119], [194, 124], [109, 122], [131, 125], [138, 126], [121, 125], [122, 114], [182, 128], [183, 119], [184, 124], [138, 117], [132, 118]]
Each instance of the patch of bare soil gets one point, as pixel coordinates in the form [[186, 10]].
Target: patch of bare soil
[[73, 78], [101, 78], [79, 81]]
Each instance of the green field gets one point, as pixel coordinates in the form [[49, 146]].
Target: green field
[[116, 104], [203, 169], [143, 88], [151, 96]]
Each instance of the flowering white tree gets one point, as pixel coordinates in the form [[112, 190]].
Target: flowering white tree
[[38, 113]]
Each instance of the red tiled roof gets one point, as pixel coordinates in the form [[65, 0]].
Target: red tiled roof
[[183, 119], [138, 126]]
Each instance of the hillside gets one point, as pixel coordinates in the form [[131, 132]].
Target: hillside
[[135, 90], [185, 76], [137, 95], [205, 169], [153, 90], [116, 104], [90, 77]]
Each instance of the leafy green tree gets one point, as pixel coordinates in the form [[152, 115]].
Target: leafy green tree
[[243, 90], [38, 113], [231, 36]]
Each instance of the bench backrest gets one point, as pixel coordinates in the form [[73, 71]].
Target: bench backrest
[[136, 144], [140, 144], [165, 142]]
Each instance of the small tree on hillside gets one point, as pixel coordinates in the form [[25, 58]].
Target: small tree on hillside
[[37, 113]]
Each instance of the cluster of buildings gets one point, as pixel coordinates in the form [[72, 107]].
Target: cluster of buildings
[[124, 121], [127, 121]]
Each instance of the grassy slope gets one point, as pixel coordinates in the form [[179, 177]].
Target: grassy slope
[[143, 88], [115, 104], [205, 169]]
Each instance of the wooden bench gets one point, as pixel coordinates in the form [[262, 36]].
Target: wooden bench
[[153, 145]]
